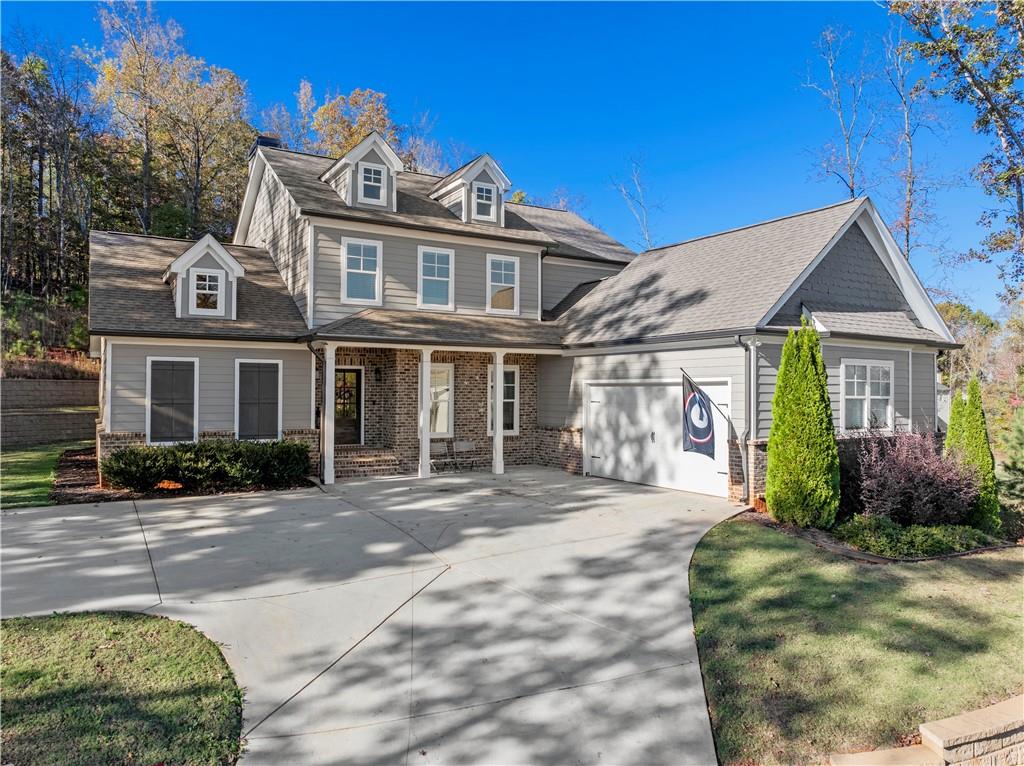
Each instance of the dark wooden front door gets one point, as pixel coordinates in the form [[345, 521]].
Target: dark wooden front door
[[348, 407]]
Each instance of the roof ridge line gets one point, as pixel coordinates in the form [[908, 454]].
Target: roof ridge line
[[304, 154], [753, 225], [169, 239]]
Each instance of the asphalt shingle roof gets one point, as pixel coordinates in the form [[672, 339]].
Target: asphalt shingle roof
[[890, 324], [127, 295], [560, 231], [721, 282], [394, 325]]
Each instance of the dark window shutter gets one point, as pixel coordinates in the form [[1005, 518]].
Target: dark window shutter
[[172, 401], [257, 400]]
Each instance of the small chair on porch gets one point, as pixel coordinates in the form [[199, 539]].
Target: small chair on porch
[[463, 452], [440, 457]]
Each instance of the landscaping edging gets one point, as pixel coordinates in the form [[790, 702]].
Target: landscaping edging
[[828, 543]]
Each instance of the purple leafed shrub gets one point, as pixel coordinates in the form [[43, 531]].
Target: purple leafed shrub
[[907, 479]]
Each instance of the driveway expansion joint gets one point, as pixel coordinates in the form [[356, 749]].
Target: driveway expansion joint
[[149, 555]]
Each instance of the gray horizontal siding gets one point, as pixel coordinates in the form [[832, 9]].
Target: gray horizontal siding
[[399, 280], [558, 280], [216, 384], [769, 355], [277, 226], [923, 391], [561, 381]]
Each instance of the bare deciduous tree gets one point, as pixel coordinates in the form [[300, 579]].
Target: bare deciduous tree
[[634, 194], [845, 91]]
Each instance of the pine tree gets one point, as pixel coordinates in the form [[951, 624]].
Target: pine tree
[[977, 453], [1013, 468], [955, 427], [802, 484]]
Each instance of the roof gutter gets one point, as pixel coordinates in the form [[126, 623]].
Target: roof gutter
[[660, 339]]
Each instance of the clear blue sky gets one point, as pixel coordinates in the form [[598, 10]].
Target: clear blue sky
[[564, 94]]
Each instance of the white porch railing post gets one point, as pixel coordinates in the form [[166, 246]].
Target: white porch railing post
[[497, 401], [327, 414], [424, 425]]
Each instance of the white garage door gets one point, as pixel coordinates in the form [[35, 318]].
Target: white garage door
[[635, 433]]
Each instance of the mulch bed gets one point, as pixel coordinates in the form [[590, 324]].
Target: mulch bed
[[76, 480], [827, 542]]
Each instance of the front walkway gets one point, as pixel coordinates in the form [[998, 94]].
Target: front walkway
[[533, 617]]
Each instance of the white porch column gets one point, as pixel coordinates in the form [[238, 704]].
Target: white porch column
[[497, 400], [327, 414], [425, 412]]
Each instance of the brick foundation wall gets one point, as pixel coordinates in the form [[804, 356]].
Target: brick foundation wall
[[560, 448], [735, 472]]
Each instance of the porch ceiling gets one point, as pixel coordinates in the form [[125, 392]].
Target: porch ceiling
[[426, 328]]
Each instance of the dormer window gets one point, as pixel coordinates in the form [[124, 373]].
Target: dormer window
[[484, 199], [371, 183], [206, 298]]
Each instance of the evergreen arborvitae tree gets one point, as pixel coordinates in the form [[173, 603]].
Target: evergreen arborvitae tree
[[977, 453], [955, 427], [1013, 468], [802, 484]]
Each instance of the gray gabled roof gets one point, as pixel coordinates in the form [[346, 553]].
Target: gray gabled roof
[[127, 294], [871, 323], [718, 283], [559, 231], [425, 327]]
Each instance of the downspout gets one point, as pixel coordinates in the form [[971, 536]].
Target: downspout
[[746, 429], [751, 431]]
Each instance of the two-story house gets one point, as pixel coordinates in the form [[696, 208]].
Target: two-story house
[[384, 316]]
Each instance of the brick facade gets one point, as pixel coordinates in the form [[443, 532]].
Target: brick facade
[[735, 472], [560, 448]]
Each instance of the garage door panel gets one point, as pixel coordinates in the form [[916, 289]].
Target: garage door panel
[[634, 433]]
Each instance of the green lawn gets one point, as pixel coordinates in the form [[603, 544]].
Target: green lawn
[[805, 653], [26, 474], [115, 688]]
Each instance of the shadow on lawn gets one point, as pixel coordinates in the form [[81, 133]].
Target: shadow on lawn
[[792, 639]]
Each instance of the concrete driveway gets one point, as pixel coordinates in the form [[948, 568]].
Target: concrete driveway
[[531, 618]]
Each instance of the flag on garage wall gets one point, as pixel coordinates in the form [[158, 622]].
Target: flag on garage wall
[[698, 423]]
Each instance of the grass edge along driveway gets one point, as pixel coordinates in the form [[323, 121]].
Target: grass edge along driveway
[[805, 653], [26, 473], [115, 688]]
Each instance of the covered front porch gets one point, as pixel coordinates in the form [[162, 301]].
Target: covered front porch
[[382, 407]]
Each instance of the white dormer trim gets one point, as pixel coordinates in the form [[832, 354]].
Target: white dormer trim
[[373, 140], [193, 292], [207, 245], [471, 171], [870, 222], [384, 175]]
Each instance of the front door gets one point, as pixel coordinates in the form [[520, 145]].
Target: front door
[[348, 406]]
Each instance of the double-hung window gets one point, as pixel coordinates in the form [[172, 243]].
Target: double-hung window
[[207, 293], [485, 202], [866, 395], [509, 392], [502, 284], [361, 271], [258, 399], [172, 403], [371, 183], [436, 286], [442, 400]]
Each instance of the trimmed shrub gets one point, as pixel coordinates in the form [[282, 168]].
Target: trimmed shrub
[[802, 482], [879, 535], [955, 427], [215, 464], [136, 468], [977, 453], [907, 479]]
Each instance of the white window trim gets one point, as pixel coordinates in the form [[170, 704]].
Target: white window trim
[[491, 257], [493, 217], [490, 400], [280, 393], [221, 278], [383, 201], [890, 408], [195, 395], [450, 432], [379, 299], [450, 306]]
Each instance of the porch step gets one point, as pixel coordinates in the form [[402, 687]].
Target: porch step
[[361, 462], [915, 755]]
